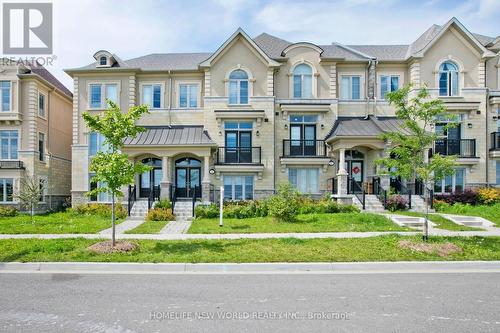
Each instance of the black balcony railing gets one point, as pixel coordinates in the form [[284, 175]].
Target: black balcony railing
[[238, 155], [462, 147], [304, 148], [11, 165], [495, 141]]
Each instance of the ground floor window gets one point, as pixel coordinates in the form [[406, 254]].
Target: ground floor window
[[450, 184], [6, 189], [305, 180], [42, 185], [100, 197], [238, 187]]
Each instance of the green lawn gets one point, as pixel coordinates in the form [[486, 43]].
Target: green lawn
[[383, 248], [54, 223], [148, 227], [441, 222], [491, 213], [339, 222]]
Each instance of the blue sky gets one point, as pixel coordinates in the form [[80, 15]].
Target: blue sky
[[133, 28]]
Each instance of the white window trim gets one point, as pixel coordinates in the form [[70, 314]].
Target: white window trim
[[198, 94], [43, 93], [19, 135], [244, 187], [315, 75], [461, 75], [251, 82], [162, 94], [379, 81], [319, 178], [361, 85], [103, 84], [11, 93], [453, 183]]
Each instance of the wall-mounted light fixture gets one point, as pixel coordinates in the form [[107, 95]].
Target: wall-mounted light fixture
[[220, 133], [478, 111], [495, 117], [331, 162], [322, 126], [469, 125], [257, 133], [286, 126], [432, 125], [211, 171]]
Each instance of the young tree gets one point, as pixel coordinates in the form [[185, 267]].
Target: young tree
[[112, 168], [410, 145], [30, 193]]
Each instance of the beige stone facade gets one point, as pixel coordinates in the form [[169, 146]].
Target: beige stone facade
[[35, 134], [289, 119]]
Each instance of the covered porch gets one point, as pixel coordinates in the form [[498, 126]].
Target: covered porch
[[180, 157]]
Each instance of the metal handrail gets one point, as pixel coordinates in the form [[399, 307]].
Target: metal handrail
[[6, 164], [173, 196], [355, 189], [460, 147], [238, 155], [332, 185], [131, 197], [304, 148], [495, 141], [154, 193], [194, 199], [379, 191]]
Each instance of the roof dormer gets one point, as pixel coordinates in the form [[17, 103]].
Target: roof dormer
[[104, 59]]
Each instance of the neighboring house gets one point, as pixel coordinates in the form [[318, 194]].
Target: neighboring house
[[259, 112], [35, 133]]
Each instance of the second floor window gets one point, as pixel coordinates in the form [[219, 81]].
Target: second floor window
[[238, 87], [100, 92], [302, 81], [41, 147], [351, 87], [448, 79], [9, 145], [41, 105], [96, 143], [388, 83], [5, 95], [151, 95], [188, 95]]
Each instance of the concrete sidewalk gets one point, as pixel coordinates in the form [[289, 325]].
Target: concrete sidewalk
[[403, 267]]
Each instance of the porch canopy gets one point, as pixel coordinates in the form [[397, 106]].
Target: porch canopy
[[171, 136]]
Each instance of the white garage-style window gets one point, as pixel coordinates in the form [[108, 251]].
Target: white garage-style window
[[305, 180], [238, 87], [448, 79], [302, 81], [452, 183], [238, 187]]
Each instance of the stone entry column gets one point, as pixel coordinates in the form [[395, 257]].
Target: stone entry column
[[165, 182], [342, 175], [205, 183]]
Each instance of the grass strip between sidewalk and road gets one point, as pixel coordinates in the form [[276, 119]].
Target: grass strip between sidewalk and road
[[338, 222], [148, 227], [382, 248]]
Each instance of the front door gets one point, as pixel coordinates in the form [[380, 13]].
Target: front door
[[302, 140], [150, 178], [238, 147], [188, 178], [355, 170]]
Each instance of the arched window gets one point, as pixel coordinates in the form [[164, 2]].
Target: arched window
[[238, 87], [302, 81], [448, 79], [103, 61]]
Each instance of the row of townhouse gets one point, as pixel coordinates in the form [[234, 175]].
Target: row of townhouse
[[253, 114], [35, 133], [259, 112]]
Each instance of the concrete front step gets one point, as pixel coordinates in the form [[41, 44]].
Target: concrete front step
[[408, 221], [470, 221]]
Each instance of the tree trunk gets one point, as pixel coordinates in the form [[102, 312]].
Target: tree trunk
[[113, 219], [425, 237], [32, 213]]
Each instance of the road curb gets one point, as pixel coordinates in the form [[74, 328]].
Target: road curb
[[406, 267]]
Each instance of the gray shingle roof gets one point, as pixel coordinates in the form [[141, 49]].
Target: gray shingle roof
[[171, 136], [47, 76], [169, 61], [271, 45], [383, 52], [364, 127]]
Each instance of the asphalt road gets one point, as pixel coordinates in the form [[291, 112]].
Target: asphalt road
[[452, 302]]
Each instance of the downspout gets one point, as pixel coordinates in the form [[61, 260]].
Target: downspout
[[367, 88], [49, 172], [170, 98], [487, 171]]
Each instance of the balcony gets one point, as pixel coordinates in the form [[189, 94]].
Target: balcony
[[238, 155], [11, 165], [304, 148], [463, 148]]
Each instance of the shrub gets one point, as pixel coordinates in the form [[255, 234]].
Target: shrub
[[468, 196], [8, 211], [163, 203], [100, 209], [489, 195], [396, 202], [160, 214], [440, 205], [284, 205], [207, 211]]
